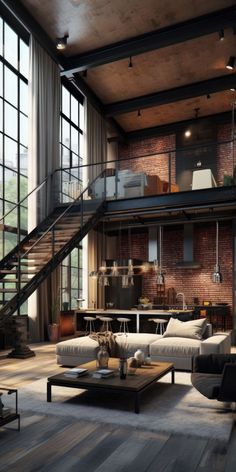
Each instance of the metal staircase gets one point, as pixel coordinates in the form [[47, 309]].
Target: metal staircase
[[42, 250]]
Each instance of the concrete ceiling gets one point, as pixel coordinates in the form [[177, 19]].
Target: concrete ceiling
[[180, 62]]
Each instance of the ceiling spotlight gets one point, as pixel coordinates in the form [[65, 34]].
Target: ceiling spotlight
[[232, 89], [139, 113], [231, 63], [221, 35], [130, 63], [187, 133], [61, 42]]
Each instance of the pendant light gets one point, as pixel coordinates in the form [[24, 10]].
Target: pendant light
[[127, 279], [217, 276], [103, 279], [160, 273]]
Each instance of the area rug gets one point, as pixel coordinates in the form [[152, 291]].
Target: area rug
[[166, 408]]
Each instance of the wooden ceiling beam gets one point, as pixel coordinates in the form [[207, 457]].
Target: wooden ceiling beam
[[173, 34], [176, 94]]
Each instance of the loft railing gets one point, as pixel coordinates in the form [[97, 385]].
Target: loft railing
[[177, 169]]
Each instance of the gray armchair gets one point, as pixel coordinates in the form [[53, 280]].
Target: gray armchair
[[214, 376]]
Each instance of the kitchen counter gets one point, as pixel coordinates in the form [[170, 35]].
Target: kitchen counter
[[137, 313]]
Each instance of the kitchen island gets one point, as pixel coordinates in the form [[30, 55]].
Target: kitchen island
[[165, 314]]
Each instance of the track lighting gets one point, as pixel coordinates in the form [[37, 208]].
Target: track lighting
[[61, 42], [231, 63], [221, 35]]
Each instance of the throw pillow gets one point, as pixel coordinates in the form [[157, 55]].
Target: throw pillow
[[185, 329]]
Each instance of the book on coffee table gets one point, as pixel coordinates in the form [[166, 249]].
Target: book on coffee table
[[75, 372], [103, 373]]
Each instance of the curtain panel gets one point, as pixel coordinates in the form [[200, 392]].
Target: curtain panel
[[44, 158], [96, 134]]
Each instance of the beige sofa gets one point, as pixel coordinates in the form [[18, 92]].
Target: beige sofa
[[171, 348]]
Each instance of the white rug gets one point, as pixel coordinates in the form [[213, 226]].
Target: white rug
[[167, 408]]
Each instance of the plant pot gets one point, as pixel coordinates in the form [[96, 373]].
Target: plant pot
[[54, 332]]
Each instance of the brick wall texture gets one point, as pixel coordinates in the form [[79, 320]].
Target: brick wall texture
[[193, 282]]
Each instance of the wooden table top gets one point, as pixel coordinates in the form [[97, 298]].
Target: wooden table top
[[143, 376]]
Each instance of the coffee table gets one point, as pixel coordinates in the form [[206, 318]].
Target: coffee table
[[136, 384]]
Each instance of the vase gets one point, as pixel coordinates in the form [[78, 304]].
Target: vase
[[123, 368], [102, 358]]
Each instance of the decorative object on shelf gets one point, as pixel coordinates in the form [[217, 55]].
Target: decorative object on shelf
[[217, 276], [139, 356], [132, 365], [102, 357]]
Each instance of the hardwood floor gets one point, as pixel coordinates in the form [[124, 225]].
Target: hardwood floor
[[51, 443]]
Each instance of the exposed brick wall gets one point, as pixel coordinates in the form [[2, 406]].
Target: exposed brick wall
[[151, 164], [160, 164], [193, 282]]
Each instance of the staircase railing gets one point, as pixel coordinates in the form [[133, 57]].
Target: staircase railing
[[83, 228]]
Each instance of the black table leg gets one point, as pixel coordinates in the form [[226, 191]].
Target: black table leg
[[49, 392], [136, 404], [173, 376]]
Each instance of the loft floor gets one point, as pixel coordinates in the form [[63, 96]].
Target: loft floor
[[47, 442]]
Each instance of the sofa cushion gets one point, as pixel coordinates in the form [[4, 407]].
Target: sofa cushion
[[175, 347], [193, 329], [82, 347], [134, 341]]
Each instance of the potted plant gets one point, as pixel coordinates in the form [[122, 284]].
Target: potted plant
[[54, 325]]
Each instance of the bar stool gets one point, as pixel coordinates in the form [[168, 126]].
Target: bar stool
[[106, 323], [160, 323], [124, 324], [89, 324]]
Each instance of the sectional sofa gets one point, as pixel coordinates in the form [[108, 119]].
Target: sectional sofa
[[180, 342]]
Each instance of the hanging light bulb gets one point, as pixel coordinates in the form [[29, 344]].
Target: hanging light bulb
[[103, 267], [160, 274], [114, 270], [217, 276], [130, 268]]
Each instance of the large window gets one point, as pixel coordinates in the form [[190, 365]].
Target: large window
[[72, 124], [72, 149], [14, 59]]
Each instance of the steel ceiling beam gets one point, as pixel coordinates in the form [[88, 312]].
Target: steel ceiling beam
[[176, 94], [173, 34], [177, 126]]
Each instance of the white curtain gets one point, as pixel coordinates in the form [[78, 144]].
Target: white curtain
[[44, 119], [96, 131], [96, 134]]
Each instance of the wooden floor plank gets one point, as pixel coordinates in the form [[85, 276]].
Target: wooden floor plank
[[179, 453], [59, 444]]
